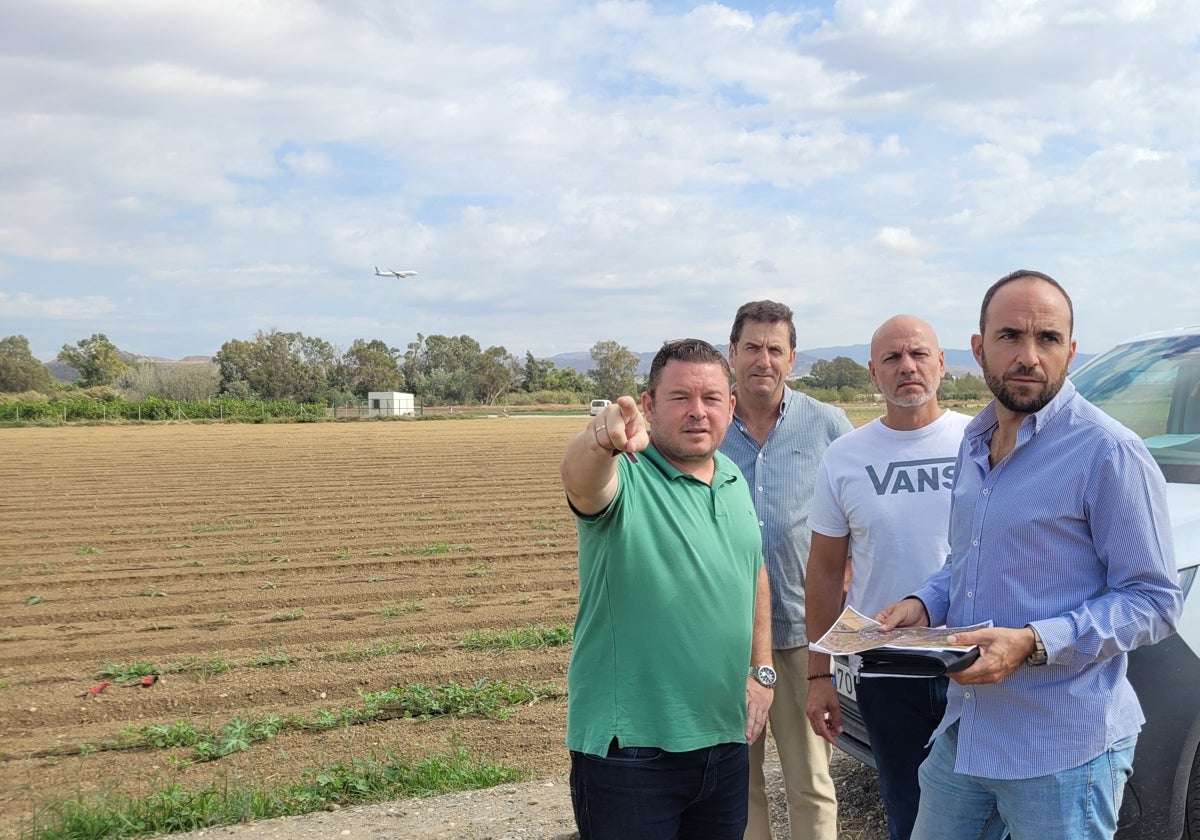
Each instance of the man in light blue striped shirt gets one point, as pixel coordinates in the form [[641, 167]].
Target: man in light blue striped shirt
[[777, 440], [1059, 535]]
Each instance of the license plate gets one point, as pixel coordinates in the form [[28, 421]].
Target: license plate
[[844, 679]]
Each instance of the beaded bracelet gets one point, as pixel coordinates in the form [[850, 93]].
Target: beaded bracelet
[[812, 677]]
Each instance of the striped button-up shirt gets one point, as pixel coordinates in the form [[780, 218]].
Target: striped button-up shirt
[[1068, 533], [781, 475]]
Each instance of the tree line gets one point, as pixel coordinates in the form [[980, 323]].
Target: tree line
[[437, 369]]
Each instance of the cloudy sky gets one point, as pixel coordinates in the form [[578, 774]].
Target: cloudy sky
[[178, 174]]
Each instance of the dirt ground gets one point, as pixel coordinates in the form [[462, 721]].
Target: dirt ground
[[277, 551]]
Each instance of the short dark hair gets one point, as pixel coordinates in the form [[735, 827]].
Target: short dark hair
[[767, 311], [1024, 274], [691, 350]]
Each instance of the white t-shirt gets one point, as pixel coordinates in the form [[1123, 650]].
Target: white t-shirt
[[890, 491]]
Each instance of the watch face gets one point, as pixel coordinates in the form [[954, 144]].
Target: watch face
[[765, 674]]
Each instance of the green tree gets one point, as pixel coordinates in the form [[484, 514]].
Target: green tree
[[840, 372], [535, 374], [278, 365], [183, 381], [441, 367], [615, 373], [373, 366], [494, 373], [97, 359], [19, 369], [968, 386], [567, 379]]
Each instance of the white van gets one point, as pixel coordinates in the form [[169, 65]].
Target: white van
[[598, 406]]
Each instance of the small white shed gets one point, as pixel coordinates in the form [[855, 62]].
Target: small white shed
[[390, 403]]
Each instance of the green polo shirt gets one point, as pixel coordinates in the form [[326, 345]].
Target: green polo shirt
[[667, 582]]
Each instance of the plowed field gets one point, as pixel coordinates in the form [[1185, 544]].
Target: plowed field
[[271, 570]]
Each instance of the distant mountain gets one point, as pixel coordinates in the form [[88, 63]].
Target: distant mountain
[[63, 372], [582, 361], [958, 362]]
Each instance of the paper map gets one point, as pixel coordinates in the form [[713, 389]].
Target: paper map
[[853, 632]]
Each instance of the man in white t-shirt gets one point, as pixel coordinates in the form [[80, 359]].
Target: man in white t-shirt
[[882, 498]]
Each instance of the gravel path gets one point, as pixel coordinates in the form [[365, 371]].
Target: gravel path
[[539, 810]]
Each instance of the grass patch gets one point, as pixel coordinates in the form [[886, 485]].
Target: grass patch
[[34, 600], [362, 654], [491, 699], [436, 548], [530, 638], [270, 660], [290, 615], [210, 527], [393, 610], [120, 672], [174, 809], [88, 549], [202, 668]]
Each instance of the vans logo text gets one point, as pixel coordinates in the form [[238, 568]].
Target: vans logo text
[[914, 476]]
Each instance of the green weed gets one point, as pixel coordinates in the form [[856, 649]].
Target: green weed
[[174, 809], [202, 668], [270, 660], [529, 638], [393, 610], [436, 548], [491, 699], [210, 527], [121, 672], [360, 654]]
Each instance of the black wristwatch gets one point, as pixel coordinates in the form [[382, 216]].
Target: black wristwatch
[[764, 675]]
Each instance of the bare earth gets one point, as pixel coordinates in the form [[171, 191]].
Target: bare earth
[[180, 545]]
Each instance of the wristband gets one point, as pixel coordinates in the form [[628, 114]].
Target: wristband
[[812, 677]]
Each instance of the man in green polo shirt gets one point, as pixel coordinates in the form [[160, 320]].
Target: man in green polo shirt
[[670, 675]]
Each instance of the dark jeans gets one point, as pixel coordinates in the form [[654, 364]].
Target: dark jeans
[[900, 713], [644, 793]]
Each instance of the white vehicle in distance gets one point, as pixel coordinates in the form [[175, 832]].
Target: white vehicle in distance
[[597, 406], [1152, 385]]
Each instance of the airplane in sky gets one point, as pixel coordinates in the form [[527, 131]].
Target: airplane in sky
[[399, 275]]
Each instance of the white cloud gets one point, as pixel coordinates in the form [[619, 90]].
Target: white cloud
[[33, 308], [177, 175]]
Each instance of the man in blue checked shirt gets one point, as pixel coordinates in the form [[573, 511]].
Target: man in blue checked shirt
[[777, 440], [1059, 536]]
